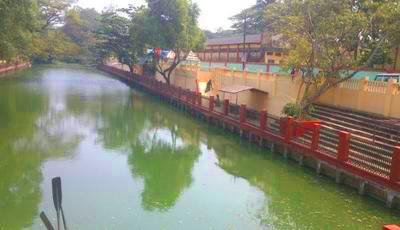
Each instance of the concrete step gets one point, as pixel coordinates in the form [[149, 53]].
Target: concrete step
[[367, 130], [386, 126]]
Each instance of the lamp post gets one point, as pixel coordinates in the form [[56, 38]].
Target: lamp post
[[244, 55]]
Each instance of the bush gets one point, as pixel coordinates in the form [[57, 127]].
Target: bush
[[291, 109], [294, 110]]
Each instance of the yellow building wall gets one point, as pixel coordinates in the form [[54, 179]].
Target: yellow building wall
[[381, 98]]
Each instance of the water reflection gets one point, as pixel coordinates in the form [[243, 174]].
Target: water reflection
[[20, 173], [295, 196], [160, 150], [149, 165]]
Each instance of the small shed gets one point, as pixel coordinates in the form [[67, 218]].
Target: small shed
[[249, 95]]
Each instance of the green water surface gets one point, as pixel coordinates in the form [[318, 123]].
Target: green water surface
[[128, 161]]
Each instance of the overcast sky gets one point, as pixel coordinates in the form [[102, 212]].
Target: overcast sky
[[214, 13]]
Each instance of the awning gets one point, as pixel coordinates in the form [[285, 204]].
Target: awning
[[235, 89]]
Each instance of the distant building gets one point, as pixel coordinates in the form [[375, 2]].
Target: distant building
[[259, 48]]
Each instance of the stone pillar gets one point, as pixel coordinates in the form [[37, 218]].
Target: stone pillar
[[389, 96]]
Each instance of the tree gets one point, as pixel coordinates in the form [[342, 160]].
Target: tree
[[53, 11], [114, 39], [251, 20], [173, 26], [53, 45], [321, 37], [17, 24], [80, 26]]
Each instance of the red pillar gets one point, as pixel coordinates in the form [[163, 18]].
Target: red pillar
[[187, 96], [226, 107], [395, 166], [343, 147], [286, 127], [263, 119], [194, 97], [199, 99], [211, 104], [315, 137], [242, 113]]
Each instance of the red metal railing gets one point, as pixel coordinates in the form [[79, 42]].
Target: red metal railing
[[340, 149]]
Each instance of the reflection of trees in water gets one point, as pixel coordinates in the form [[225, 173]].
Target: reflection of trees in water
[[166, 172], [31, 132], [164, 155], [163, 146], [20, 173]]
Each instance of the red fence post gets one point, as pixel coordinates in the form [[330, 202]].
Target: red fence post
[[263, 119], [226, 107], [343, 146], [287, 128], [395, 166], [242, 113], [187, 93], [211, 104], [179, 92], [315, 137], [199, 99]]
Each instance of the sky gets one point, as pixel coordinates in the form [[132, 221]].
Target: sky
[[214, 13]]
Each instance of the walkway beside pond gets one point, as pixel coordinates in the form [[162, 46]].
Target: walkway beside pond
[[258, 126]]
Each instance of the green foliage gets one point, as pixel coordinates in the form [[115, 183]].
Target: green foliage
[[251, 20], [291, 109], [173, 25], [328, 35], [54, 45], [45, 30], [52, 11], [18, 20], [115, 40], [80, 26], [295, 110]]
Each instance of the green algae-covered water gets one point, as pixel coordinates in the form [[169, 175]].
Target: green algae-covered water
[[128, 161]]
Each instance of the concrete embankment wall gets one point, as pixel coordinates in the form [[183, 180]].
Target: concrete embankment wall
[[6, 68], [380, 98]]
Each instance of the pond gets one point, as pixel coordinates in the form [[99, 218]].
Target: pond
[[128, 161]]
